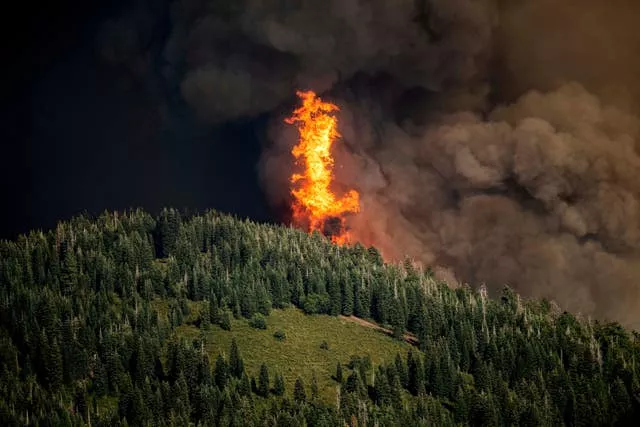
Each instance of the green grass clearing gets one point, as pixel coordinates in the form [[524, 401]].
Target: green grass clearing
[[300, 353]]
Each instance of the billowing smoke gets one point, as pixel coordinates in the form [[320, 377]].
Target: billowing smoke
[[494, 140], [542, 195], [247, 59]]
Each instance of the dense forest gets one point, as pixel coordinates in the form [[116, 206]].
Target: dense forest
[[83, 342]]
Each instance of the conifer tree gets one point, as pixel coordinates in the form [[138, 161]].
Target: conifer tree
[[299, 393], [401, 371], [53, 365], [314, 386], [69, 273], [347, 297], [221, 373], [245, 385], [278, 386], [415, 374], [354, 383], [170, 223], [180, 394], [100, 380], [225, 320], [80, 402], [382, 388], [263, 381], [205, 319], [236, 364]]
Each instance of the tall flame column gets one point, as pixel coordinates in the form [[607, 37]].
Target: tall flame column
[[315, 205]]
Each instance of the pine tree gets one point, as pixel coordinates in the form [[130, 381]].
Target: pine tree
[[396, 319], [236, 364], [299, 394], [170, 223], [100, 379], [347, 297], [415, 374], [214, 310], [205, 320], [80, 402], [401, 371], [180, 396], [339, 373], [278, 386], [382, 388], [314, 387], [245, 385], [335, 297], [221, 373], [263, 381], [225, 320], [69, 273], [53, 365], [354, 384]]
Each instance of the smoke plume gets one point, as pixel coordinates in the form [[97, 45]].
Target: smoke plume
[[495, 140]]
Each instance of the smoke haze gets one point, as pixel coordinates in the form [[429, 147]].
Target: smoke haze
[[494, 140]]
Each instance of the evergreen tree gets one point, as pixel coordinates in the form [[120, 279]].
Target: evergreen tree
[[236, 365], [170, 223], [221, 373], [382, 388], [347, 298], [299, 393], [53, 365], [245, 385], [69, 273], [339, 372], [314, 387], [355, 384], [401, 371], [80, 402], [180, 397], [205, 320], [278, 387], [100, 379], [263, 381], [335, 296], [415, 374], [225, 320]]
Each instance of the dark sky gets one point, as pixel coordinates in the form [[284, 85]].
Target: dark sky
[[79, 134]]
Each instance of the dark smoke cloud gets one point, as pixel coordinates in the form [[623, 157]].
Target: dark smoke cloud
[[546, 43], [543, 195], [249, 58], [494, 140]]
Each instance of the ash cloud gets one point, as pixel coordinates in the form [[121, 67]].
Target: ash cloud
[[248, 58], [542, 195], [495, 140]]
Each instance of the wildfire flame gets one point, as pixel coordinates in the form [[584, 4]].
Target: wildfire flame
[[315, 205]]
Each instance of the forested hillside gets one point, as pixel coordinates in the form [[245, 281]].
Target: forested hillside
[[93, 314]]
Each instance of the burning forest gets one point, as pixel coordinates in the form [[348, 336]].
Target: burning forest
[[478, 144]]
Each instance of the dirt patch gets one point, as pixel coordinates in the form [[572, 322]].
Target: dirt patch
[[409, 338]]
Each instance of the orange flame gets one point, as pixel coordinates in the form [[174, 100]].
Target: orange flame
[[315, 203]]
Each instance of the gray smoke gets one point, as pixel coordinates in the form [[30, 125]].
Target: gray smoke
[[495, 140], [247, 59], [543, 196]]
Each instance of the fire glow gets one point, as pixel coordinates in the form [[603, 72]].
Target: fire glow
[[315, 206]]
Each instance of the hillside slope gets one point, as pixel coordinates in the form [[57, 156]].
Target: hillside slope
[[312, 344], [128, 319]]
